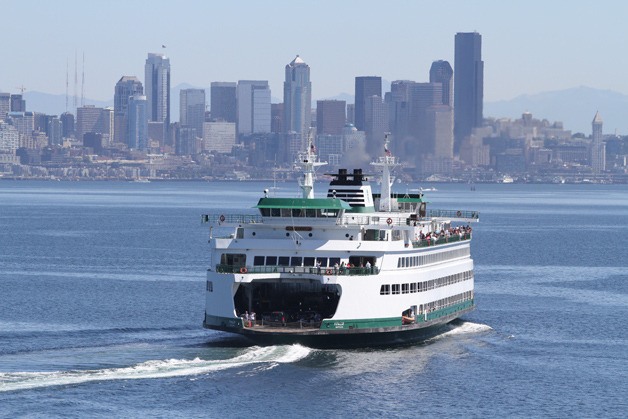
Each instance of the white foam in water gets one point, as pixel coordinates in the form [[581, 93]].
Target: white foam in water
[[464, 328], [152, 369]]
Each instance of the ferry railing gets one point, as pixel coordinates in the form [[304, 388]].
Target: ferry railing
[[231, 218], [353, 271], [441, 240], [465, 214]]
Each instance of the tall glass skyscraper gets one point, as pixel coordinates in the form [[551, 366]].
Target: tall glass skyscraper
[[297, 97], [126, 87], [223, 101], [192, 109], [468, 85], [137, 127], [157, 87], [253, 99]]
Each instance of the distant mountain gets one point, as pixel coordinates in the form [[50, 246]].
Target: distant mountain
[[55, 104], [575, 107]]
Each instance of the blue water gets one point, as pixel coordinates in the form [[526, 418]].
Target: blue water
[[101, 305]]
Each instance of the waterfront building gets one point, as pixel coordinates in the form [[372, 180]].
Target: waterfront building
[[223, 105], [126, 87], [468, 85], [253, 107]]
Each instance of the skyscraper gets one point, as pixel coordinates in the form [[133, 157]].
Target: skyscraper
[[137, 127], [157, 87], [598, 148], [468, 85], [441, 72], [18, 104], [192, 109], [365, 87], [223, 101], [331, 116], [297, 97], [253, 99], [92, 119], [5, 105], [126, 87]]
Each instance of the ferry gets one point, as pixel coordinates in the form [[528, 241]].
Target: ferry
[[351, 269]]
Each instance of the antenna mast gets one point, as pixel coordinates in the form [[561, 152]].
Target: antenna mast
[[83, 81]]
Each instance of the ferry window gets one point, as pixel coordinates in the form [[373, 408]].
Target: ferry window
[[395, 289], [310, 213], [396, 235], [209, 286], [258, 261], [334, 261], [233, 259], [382, 235], [275, 212], [271, 260], [296, 212], [296, 261], [323, 261], [413, 287], [284, 260], [265, 212], [308, 261], [404, 288], [384, 290]]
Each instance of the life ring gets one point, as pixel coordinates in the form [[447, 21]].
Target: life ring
[[328, 272], [243, 270], [222, 218], [389, 221], [458, 214]]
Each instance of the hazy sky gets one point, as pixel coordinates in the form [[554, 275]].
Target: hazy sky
[[528, 46]]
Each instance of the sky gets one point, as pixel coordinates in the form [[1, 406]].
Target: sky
[[528, 47]]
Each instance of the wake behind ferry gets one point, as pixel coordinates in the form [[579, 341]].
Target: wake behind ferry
[[352, 269]]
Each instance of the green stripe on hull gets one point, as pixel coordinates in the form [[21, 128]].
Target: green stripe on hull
[[393, 321]]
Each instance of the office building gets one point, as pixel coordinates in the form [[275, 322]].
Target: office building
[[598, 148], [5, 105], [223, 101], [441, 72], [18, 104], [192, 109], [331, 116], [468, 85], [253, 105], [67, 125], [376, 125], [126, 87], [219, 137], [92, 119], [137, 127], [297, 97], [365, 87], [157, 89]]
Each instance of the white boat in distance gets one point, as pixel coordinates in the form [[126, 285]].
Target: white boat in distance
[[352, 269]]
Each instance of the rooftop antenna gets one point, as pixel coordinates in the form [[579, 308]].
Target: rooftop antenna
[[67, 66], [83, 81], [75, 80], [21, 89]]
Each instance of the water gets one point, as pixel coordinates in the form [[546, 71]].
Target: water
[[101, 305]]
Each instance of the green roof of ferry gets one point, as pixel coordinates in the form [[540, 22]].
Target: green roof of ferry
[[303, 203]]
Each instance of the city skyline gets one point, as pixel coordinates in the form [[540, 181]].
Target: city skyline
[[540, 36]]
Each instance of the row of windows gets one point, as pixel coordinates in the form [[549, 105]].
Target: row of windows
[[449, 301], [411, 261], [411, 288], [209, 286], [294, 261]]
